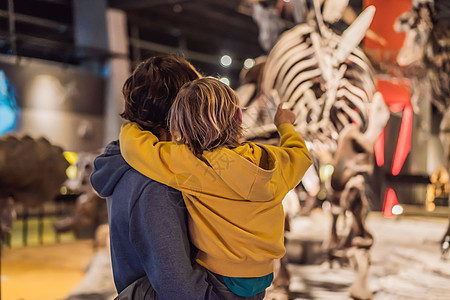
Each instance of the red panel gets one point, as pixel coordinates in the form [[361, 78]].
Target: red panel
[[387, 12], [396, 92], [404, 141], [379, 149], [390, 200]]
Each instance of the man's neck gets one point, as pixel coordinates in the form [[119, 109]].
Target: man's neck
[[164, 135]]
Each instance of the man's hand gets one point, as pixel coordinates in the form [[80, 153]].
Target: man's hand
[[283, 116]]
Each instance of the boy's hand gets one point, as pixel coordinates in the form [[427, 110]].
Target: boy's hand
[[283, 116]]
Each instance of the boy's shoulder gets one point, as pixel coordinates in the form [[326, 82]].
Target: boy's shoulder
[[247, 151]]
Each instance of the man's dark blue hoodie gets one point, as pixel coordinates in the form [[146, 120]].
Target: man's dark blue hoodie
[[148, 231]]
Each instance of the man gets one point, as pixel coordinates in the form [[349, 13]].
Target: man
[[148, 220]]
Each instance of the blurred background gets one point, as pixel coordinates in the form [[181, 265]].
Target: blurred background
[[62, 66]]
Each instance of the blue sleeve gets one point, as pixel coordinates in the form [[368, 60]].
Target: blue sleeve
[[158, 233]]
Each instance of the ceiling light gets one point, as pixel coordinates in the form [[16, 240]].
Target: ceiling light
[[225, 80], [226, 60]]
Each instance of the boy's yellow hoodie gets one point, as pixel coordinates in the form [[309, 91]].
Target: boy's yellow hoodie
[[233, 195]]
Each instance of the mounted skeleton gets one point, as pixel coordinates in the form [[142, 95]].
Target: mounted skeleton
[[328, 82], [426, 55]]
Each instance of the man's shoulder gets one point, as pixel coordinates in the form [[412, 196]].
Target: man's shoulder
[[155, 186], [151, 191]]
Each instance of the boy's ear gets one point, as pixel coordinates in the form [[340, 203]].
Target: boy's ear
[[238, 116]]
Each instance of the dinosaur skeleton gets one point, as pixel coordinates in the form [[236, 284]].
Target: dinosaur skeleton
[[32, 172], [426, 55], [328, 82]]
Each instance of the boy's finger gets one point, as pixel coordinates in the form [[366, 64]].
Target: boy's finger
[[281, 105]]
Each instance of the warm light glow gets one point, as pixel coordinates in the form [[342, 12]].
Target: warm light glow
[[226, 61], [71, 172], [63, 190], [47, 92], [249, 63], [397, 209], [430, 206], [325, 172], [72, 158], [225, 80], [321, 195]]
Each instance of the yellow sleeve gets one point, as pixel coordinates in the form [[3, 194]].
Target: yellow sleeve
[[292, 155], [164, 162]]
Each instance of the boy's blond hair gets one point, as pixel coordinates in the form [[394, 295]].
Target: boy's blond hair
[[206, 115]]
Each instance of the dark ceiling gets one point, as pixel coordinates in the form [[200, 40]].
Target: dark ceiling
[[203, 30], [41, 29]]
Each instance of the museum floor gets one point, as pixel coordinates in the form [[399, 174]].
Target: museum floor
[[46, 272], [405, 260], [405, 263]]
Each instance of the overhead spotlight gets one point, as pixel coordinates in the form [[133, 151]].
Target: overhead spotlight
[[287, 1], [249, 63], [225, 80], [226, 61]]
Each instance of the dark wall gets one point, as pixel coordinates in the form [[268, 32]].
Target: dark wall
[[62, 103]]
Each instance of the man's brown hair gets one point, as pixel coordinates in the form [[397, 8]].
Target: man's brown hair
[[150, 91], [206, 115]]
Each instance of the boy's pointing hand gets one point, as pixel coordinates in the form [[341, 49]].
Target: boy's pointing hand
[[283, 116]]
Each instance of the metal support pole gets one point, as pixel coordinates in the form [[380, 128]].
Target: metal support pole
[[135, 50], [41, 225], [90, 31], [119, 68], [25, 226], [59, 213]]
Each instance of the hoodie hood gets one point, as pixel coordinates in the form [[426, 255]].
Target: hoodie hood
[[249, 170], [108, 170]]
